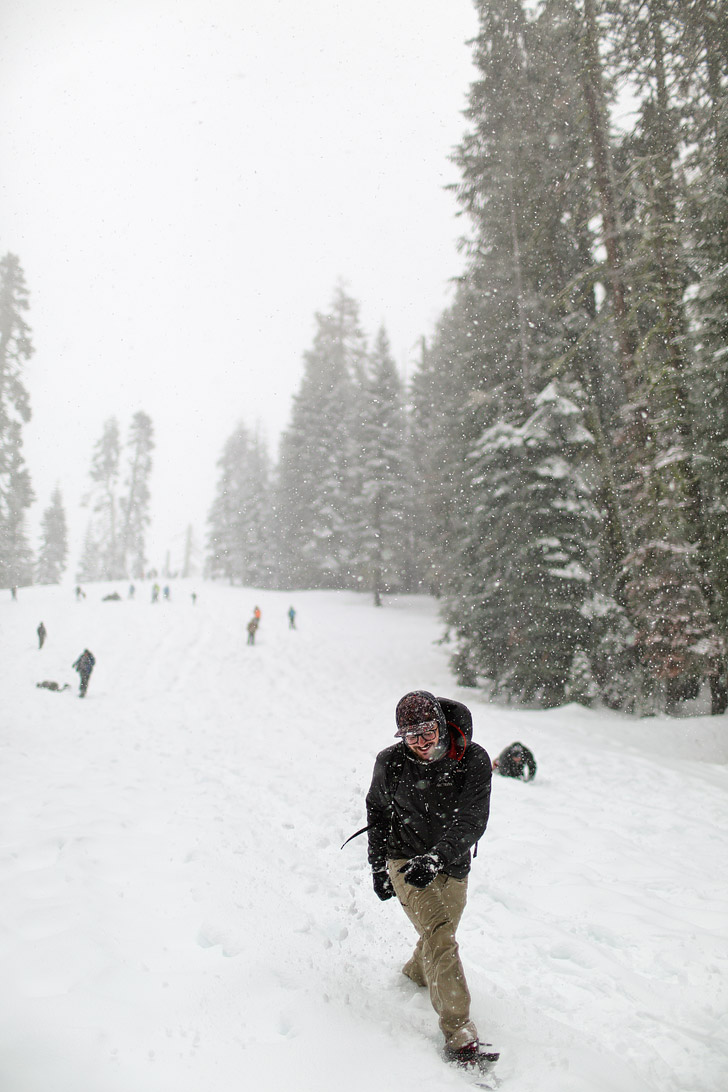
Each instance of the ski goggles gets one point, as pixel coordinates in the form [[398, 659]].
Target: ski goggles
[[427, 732]]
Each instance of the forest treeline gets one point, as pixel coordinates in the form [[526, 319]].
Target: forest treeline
[[119, 491], [556, 468]]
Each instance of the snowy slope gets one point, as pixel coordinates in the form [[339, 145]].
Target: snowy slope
[[176, 914]]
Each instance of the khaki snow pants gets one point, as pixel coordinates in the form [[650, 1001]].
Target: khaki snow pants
[[435, 912]]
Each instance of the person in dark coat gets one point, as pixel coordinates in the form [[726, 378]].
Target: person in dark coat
[[515, 760], [427, 805], [252, 630], [42, 633], [84, 665]]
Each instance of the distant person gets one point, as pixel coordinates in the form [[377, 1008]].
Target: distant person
[[132, 590], [257, 614], [291, 618], [194, 598], [80, 593], [84, 665], [165, 593], [155, 593], [516, 761], [13, 593], [252, 630], [42, 632]]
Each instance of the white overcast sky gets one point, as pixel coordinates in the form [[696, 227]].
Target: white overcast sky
[[184, 183]]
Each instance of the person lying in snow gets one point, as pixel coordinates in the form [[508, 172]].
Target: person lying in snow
[[516, 761]]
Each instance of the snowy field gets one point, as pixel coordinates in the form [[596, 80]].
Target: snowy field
[[177, 915]]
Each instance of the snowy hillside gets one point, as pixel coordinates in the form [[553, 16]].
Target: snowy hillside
[[176, 914]]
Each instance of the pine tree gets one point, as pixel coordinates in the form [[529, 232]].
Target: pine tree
[[134, 505], [529, 562], [671, 495], [16, 494], [705, 109], [189, 566], [452, 402], [675, 639], [538, 171], [90, 564], [581, 685], [318, 474], [239, 520], [53, 552], [104, 531], [382, 504]]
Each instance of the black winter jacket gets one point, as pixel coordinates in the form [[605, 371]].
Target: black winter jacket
[[414, 807]]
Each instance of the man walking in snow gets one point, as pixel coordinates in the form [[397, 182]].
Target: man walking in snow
[[84, 665], [428, 804], [42, 632]]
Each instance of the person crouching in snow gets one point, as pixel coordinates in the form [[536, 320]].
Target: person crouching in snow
[[428, 804]]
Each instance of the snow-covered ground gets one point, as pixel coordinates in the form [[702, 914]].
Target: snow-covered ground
[[177, 915]]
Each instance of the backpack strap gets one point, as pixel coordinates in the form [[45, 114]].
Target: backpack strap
[[351, 837]]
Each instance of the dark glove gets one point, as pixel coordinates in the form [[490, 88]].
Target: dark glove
[[421, 871], [382, 885]]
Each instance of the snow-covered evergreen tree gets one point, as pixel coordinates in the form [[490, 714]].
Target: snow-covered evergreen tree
[[318, 455], [451, 404], [675, 639], [581, 686], [53, 552], [134, 505], [239, 520], [16, 494], [529, 561], [90, 566], [104, 530], [382, 507]]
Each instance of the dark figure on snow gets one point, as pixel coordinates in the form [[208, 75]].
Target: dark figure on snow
[[428, 804], [155, 593], [252, 630], [80, 593], [132, 590], [194, 598], [13, 593], [84, 665], [257, 614], [42, 632], [516, 761], [49, 684], [291, 618]]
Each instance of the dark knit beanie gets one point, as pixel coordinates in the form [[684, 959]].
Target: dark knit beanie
[[418, 707]]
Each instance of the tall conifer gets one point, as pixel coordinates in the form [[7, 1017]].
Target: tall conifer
[[317, 469], [53, 552], [16, 494]]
